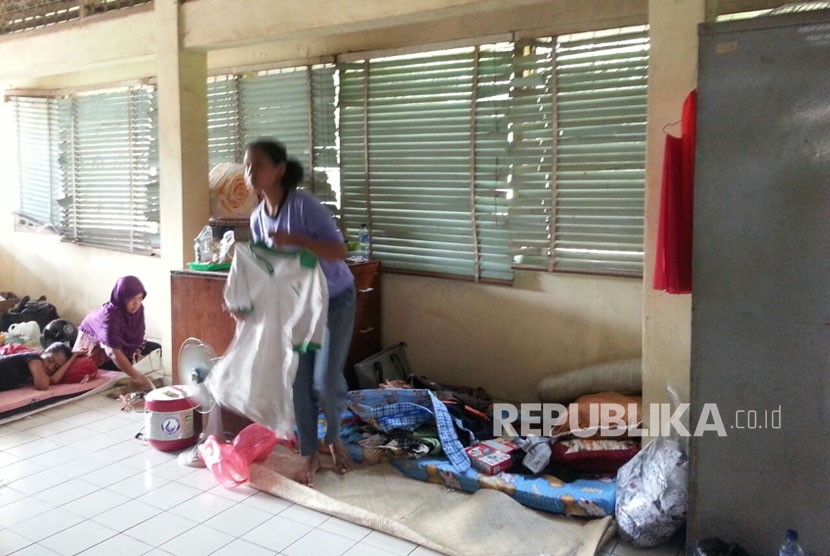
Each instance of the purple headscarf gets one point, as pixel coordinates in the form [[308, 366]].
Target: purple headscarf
[[112, 325]]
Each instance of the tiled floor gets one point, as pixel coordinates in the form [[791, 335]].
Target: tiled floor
[[73, 480]]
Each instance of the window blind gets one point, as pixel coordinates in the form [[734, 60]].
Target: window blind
[[582, 209], [224, 141], [109, 156], [38, 163], [408, 165], [295, 106], [277, 106]]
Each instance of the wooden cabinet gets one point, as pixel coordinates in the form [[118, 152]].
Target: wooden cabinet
[[198, 312], [366, 336]]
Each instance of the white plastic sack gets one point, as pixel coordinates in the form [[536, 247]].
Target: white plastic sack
[[651, 494]]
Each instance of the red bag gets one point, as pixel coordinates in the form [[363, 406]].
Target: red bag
[[254, 443]]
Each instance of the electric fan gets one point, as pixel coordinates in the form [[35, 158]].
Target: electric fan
[[196, 359], [170, 412]]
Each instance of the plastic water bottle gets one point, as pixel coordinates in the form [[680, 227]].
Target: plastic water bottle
[[791, 546], [363, 241]]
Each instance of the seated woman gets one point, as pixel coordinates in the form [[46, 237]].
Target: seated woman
[[113, 334], [39, 369]]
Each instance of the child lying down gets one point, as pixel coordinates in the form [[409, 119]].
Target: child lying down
[[38, 369]]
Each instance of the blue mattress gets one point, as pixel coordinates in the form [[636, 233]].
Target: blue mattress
[[587, 498]]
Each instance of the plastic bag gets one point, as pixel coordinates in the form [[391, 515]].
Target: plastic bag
[[651, 494], [204, 247], [226, 465], [230, 463], [254, 443]]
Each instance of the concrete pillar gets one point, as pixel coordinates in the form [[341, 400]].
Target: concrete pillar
[[667, 318], [182, 125]]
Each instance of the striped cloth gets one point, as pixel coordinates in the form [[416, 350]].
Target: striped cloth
[[408, 409]]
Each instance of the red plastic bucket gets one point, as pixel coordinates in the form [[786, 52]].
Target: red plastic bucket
[[170, 419]]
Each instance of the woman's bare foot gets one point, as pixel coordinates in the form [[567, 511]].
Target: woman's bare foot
[[310, 467], [341, 457]]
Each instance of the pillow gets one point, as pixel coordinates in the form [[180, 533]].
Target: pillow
[[608, 408], [594, 456], [82, 369], [624, 376]]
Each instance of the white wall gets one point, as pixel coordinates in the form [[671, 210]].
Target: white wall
[[503, 338]]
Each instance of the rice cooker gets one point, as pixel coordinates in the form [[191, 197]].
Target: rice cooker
[[171, 421]]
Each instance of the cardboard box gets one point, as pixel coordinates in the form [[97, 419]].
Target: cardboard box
[[489, 460], [502, 445]]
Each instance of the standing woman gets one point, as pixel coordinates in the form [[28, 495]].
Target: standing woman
[[113, 334], [287, 217]]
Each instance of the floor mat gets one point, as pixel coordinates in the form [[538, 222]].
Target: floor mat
[[448, 521], [22, 402]]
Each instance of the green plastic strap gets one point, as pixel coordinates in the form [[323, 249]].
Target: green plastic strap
[[307, 258], [307, 347]]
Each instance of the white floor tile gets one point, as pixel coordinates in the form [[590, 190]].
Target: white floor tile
[[148, 458], [202, 507], [21, 510], [171, 469], [168, 495], [111, 475], [237, 494], [78, 538], [84, 417], [267, 503], [125, 516], [31, 421], [16, 439], [319, 543], [109, 423], [47, 524], [64, 410], [9, 495], [57, 457], [66, 492], [159, 529], [238, 520], [388, 543], [96, 441], [240, 547], [119, 545], [361, 549], [201, 479], [345, 529], [33, 448], [11, 541], [19, 470], [277, 533], [7, 458], [303, 515], [50, 428], [74, 435], [96, 503], [39, 481], [35, 550], [98, 402], [199, 541], [140, 484]]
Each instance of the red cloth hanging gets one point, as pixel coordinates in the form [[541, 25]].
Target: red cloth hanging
[[673, 262]]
